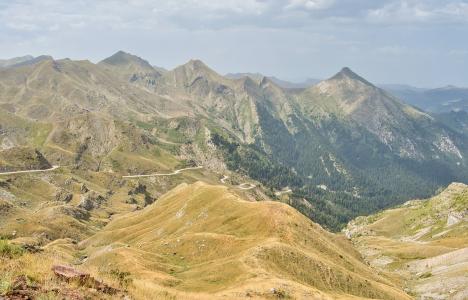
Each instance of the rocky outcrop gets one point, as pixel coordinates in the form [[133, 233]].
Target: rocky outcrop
[[70, 274], [22, 159], [83, 188], [91, 200], [78, 213], [63, 195]]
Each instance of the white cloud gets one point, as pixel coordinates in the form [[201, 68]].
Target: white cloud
[[310, 4], [39, 15], [400, 11], [457, 9], [209, 6], [290, 37], [417, 11]]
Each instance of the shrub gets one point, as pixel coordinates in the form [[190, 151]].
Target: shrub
[[425, 275], [5, 285], [122, 277], [10, 250]]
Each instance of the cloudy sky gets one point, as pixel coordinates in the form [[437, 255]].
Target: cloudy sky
[[418, 42]]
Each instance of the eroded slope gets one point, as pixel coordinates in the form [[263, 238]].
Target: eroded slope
[[424, 242]]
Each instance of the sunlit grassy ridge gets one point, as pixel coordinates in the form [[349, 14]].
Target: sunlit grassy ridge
[[202, 240]]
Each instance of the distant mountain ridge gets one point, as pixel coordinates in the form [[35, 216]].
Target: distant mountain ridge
[[14, 61], [344, 133], [329, 152], [438, 100], [282, 83]]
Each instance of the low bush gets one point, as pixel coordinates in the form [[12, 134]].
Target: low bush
[[10, 250]]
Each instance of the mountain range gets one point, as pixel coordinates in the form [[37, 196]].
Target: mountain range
[[281, 83], [439, 100], [344, 145], [159, 182]]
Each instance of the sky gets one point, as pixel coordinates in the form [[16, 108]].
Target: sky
[[418, 42]]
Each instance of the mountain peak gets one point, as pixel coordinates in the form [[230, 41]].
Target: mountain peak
[[124, 58], [347, 73], [197, 64]]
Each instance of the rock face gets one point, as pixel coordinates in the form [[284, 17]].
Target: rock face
[[454, 218]]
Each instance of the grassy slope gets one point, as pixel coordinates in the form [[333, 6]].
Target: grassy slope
[[201, 240], [416, 241], [31, 214]]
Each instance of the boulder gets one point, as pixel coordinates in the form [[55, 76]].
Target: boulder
[[70, 274]]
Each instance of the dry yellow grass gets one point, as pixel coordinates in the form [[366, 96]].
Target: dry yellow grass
[[200, 241]]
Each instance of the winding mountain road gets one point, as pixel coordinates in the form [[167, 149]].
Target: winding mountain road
[[223, 180], [283, 192], [29, 171], [164, 174], [246, 186], [242, 186]]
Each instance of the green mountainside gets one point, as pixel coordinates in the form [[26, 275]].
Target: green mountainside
[[162, 180], [344, 146]]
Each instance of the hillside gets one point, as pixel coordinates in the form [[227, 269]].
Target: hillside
[[22, 158], [343, 146], [119, 132], [424, 242], [200, 241], [396, 125]]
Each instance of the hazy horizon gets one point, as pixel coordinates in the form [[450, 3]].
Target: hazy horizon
[[410, 42]]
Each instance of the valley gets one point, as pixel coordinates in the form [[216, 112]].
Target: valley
[[186, 184], [424, 242]]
